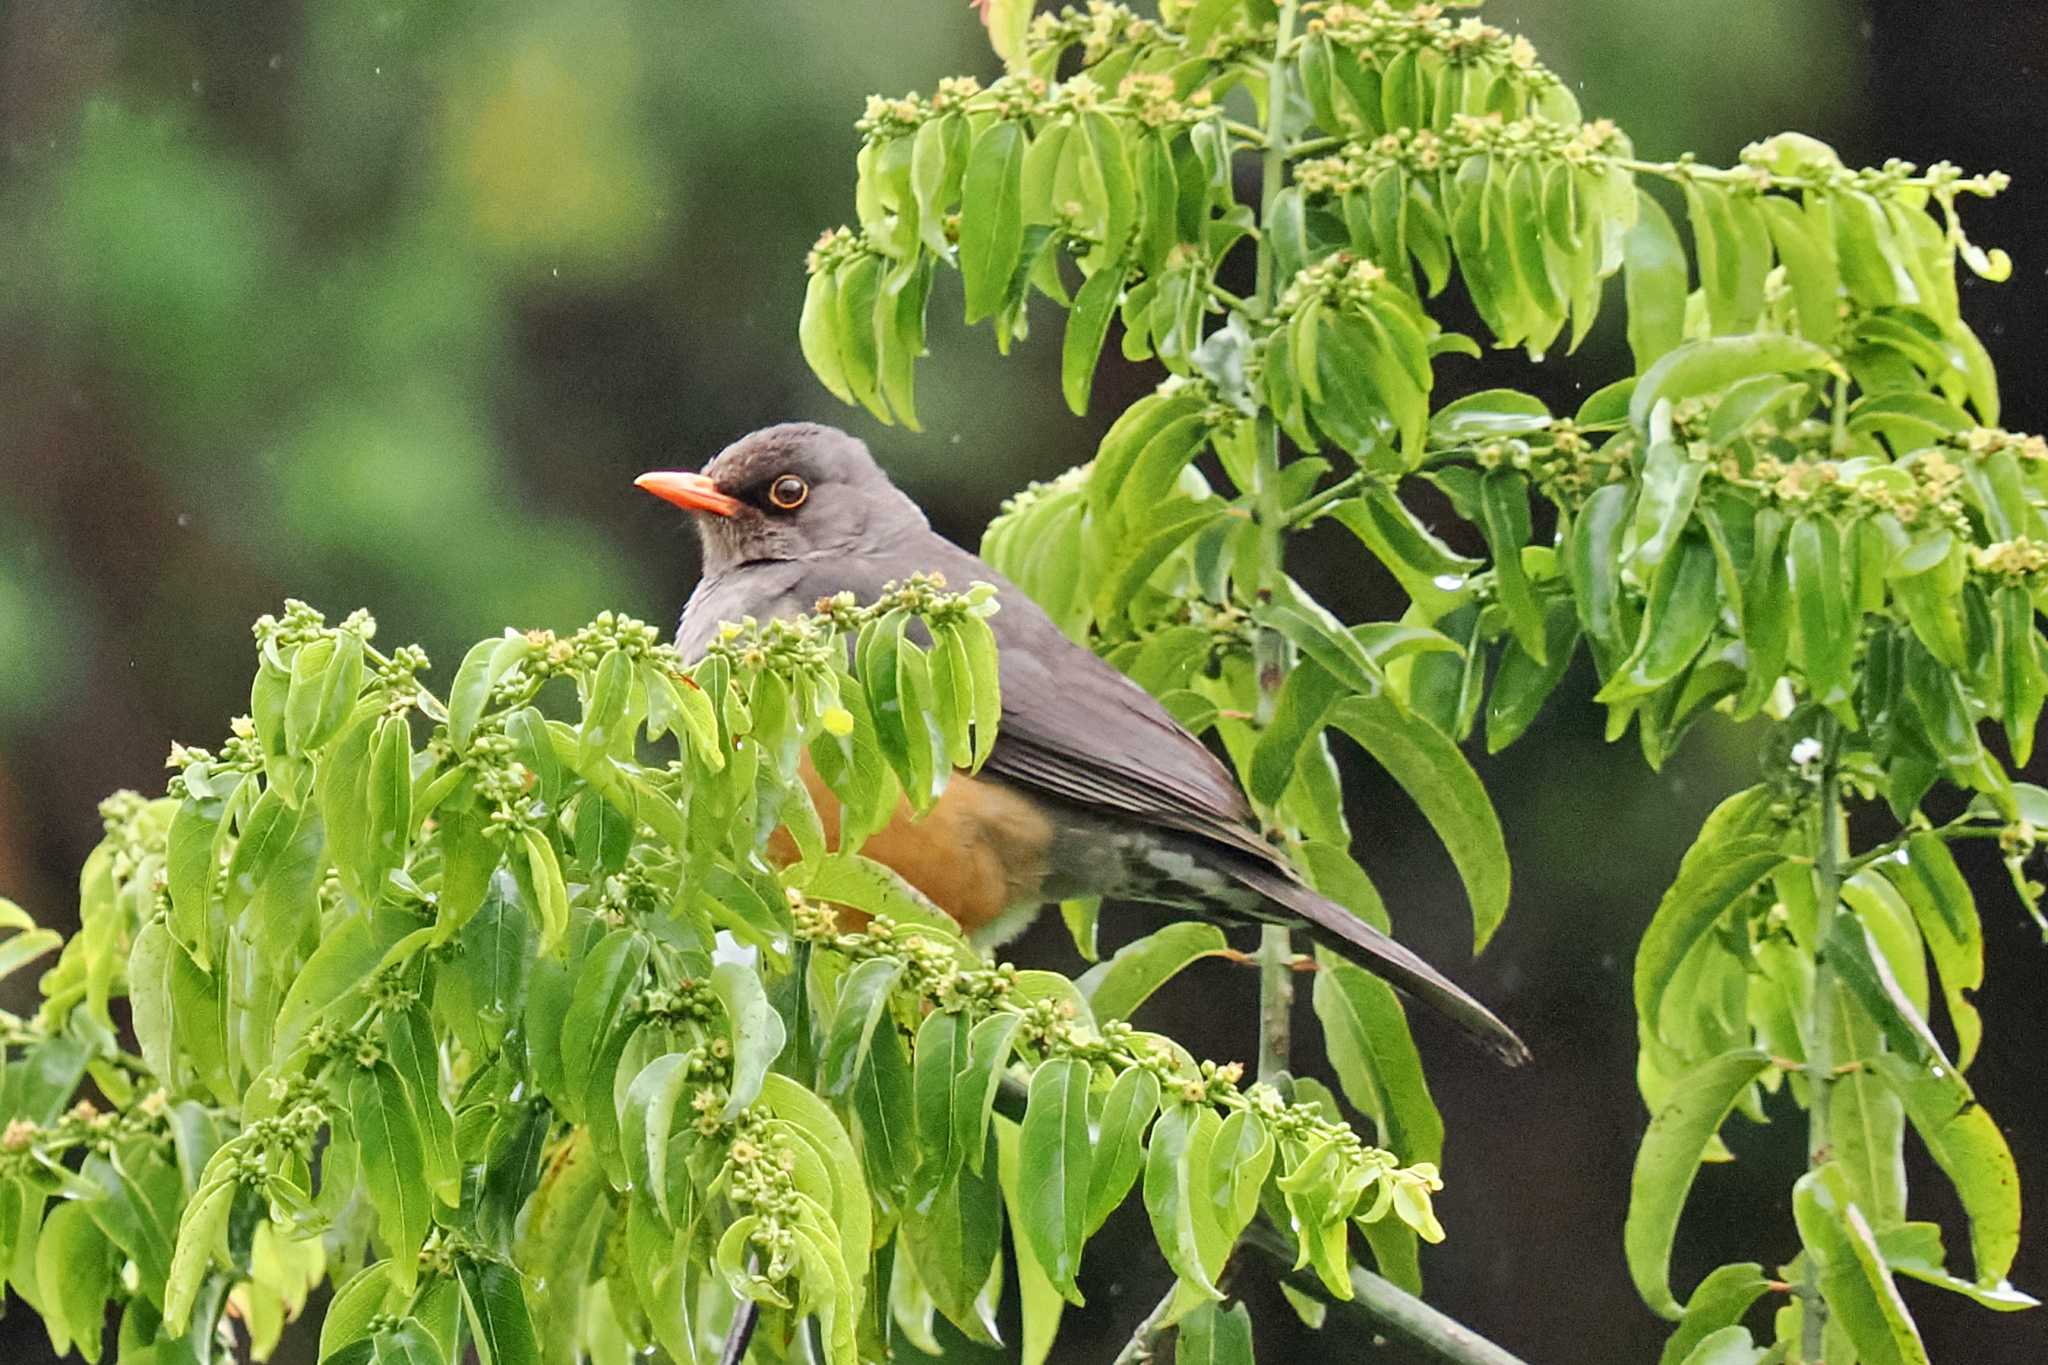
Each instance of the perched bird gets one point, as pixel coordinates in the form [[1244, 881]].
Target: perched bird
[[1092, 788]]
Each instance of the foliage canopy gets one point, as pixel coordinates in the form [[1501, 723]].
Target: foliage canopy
[[425, 992]]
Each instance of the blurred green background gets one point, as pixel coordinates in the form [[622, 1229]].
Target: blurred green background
[[383, 304]]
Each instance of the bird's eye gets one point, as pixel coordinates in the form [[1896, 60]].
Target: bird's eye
[[788, 492]]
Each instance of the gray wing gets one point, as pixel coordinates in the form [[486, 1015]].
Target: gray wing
[[1073, 727]]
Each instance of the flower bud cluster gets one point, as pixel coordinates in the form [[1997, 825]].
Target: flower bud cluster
[[760, 1179], [1050, 1026], [1381, 31], [834, 248], [1096, 28], [1357, 165], [1340, 280]]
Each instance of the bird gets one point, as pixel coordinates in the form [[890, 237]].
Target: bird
[[1091, 787]]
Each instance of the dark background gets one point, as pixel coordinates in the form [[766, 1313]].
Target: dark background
[[384, 304]]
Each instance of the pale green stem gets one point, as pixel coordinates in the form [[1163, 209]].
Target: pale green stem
[[1270, 651], [1820, 1059]]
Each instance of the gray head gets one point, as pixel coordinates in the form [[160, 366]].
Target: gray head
[[794, 491]]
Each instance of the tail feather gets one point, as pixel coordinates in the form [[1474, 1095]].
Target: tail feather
[[1345, 933]]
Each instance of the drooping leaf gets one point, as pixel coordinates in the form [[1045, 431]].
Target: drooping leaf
[[1668, 1159]]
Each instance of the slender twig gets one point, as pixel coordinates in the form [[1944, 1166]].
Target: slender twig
[[1226, 298], [1820, 1061], [1309, 508], [1257, 137], [1312, 146], [1139, 1347], [1383, 1307]]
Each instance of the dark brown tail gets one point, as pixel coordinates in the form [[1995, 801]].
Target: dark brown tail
[[1345, 933]]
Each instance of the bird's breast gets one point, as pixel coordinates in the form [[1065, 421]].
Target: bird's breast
[[983, 848]]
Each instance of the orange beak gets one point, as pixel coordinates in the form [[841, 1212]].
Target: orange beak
[[691, 491]]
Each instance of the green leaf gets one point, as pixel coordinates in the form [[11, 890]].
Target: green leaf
[[1119, 1143], [1970, 1150], [1728, 1346], [1678, 620], [1171, 1179], [1087, 325], [1488, 416], [1055, 1172], [1946, 911], [991, 213], [75, 1273], [1116, 988], [939, 1063], [1698, 367], [756, 1030], [21, 949], [1214, 1335], [202, 1233], [1825, 620], [957, 1244], [607, 983], [1862, 967], [988, 1056], [818, 333], [1656, 281], [390, 792], [1439, 780], [482, 669], [1667, 1160], [354, 1304], [1521, 685], [550, 893], [1854, 1280], [1323, 638], [1366, 1032], [1915, 1249], [1737, 847], [648, 1121], [495, 1310], [410, 1047], [1042, 1305], [394, 1168], [1504, 518], [1716, 1306], [863, 1006]]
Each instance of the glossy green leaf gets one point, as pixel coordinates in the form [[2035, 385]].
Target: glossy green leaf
[[1946, 912], [988, 1056], [756, 1031], [1970, 1150], [1057, 1160], [394, 1166], [1668, 1159], [1119, 1143], [1374, 1055], [1716, 1306], [495, 1311], [991, 216], [1737, 847], [1214, 1335], [1854, 1280], [1117, 987], [1698, 367], [1439, 780]]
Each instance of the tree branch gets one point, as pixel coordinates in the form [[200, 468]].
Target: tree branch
[[1383, 1307]]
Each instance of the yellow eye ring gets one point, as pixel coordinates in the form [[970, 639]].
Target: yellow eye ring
[[788, 492]]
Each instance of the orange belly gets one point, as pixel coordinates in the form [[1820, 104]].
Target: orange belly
[[980, 850]]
